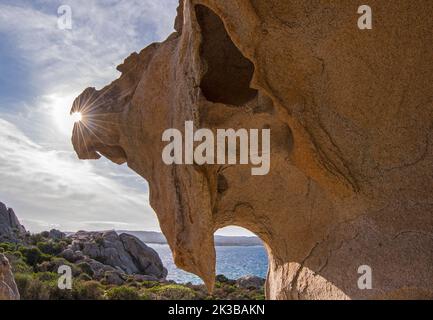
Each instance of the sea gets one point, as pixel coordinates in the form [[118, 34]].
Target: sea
[[232, 261]]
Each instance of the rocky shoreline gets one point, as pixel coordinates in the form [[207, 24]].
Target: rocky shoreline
[[104, 265]]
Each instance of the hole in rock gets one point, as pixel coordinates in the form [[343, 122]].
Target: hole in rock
[[222, 184], [229, 73], [239, 253]]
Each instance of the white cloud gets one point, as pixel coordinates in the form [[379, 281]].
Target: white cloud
[[62, 63], [39, 173], [49, 187], [103, 34]]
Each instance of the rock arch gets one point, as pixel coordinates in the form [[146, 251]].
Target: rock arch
[[351, 120]]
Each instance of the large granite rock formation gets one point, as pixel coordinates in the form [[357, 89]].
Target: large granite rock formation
[[107, 251], [351, 119], [11, 229], [8, 288]]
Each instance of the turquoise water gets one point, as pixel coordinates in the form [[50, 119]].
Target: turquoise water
[[233, 262]]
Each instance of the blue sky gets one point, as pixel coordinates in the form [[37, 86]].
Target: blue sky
[[42, 69]]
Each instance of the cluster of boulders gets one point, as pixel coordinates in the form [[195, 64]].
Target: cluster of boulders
[[107, 257], [114, 257]]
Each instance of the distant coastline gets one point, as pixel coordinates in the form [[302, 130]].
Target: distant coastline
[[152, 237]]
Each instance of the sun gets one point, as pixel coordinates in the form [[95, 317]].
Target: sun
[[58, 108], [77, 117]]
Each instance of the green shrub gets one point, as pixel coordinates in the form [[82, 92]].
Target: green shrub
[[63, 243], [17, 262], [36, 237], [45, 234], [6, 246], [259, 297], [46, 276], [123, 293], [53, 266], [21, 266], [88, 290], [150, 284], [133, 284], [84, 277], [50, 247], [85, 268], [229, 289], [23, 281], [146, 295], [17, 255], [41, 286], [56, 293], [173, 292], [32, 256], [31, 288]]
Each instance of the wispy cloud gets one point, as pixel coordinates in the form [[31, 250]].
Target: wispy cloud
[[40, 176], [61, 63], [51, 187], [103, 34], [42, 69]]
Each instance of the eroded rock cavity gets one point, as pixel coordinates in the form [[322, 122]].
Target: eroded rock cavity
[[351, 118]]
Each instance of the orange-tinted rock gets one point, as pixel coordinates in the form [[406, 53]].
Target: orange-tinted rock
[[351, 118], [8, 287]]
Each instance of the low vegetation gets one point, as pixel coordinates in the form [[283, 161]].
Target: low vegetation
[[35, 268]]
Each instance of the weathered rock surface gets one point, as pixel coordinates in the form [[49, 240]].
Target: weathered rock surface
[[56, 234], [107, 251], [98, 269], [351, 119], [250, 281], [141, 278], [8, 287], [11, 229], [114, 278]]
